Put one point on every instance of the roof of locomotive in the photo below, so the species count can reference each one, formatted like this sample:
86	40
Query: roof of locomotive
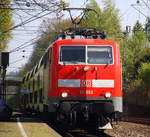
82	32
85	42
83	36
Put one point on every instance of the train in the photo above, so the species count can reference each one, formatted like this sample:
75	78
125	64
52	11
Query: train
78	79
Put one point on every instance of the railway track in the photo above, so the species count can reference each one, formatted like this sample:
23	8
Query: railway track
85	133
80	131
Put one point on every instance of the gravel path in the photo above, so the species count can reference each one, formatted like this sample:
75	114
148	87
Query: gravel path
128	129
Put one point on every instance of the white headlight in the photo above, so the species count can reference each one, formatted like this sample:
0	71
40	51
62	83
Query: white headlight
107	94
86	68
64	94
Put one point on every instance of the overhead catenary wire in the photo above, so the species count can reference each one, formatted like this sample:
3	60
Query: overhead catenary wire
45	6
15	67
22	45
139	11
28	33
31	44
21	24
16	61
84	4
30	20
27	4
20	17
27	14
26	11
9	7
15	13
36	27
123	14
25	30
15	3
146	4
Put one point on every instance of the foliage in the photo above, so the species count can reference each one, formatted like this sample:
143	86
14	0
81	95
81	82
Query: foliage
137	27
106	19
136	63
144	75
111	20
5	23
135	50
93	18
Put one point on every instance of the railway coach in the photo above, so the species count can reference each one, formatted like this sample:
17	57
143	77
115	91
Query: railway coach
79	78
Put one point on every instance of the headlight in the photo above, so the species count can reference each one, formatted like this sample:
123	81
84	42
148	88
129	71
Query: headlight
64	94
107	94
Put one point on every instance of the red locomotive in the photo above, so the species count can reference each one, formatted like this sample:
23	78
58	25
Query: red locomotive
79	78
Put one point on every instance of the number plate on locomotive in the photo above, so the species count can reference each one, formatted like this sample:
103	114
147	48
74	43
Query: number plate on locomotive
86	83
86	92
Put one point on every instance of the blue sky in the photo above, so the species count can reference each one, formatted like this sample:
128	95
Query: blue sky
128	16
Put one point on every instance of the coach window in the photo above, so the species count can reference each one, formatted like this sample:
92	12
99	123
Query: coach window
72	54
99	55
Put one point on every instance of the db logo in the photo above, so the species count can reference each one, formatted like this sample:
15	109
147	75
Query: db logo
86	83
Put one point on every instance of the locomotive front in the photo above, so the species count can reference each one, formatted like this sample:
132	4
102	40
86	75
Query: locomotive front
86	83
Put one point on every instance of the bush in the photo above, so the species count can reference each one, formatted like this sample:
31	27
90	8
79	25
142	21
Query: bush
144	75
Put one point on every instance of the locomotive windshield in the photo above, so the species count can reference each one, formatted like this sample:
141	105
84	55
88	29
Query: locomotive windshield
86	55
99	55
72	54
